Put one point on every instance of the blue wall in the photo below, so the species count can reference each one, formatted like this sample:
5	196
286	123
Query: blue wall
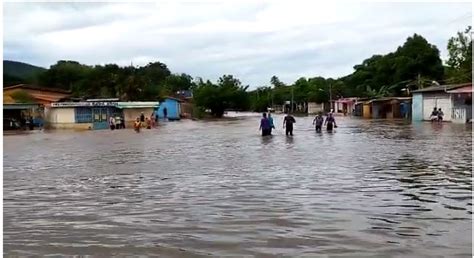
172	106
417	107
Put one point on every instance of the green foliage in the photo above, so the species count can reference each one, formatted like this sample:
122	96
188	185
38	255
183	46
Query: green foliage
150	82
261	99
415	64
21	70
177	82
415	58
228	93
460	57
10	80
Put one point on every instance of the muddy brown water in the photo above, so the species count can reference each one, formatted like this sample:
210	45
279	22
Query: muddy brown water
217	188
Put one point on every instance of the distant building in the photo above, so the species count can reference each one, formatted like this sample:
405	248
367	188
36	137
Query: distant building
95	114
172	106
184	94
345	105
314	108
454	100
384	108
38	95
23	100
132	110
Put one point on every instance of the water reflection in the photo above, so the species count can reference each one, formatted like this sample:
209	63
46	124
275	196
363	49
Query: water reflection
370	188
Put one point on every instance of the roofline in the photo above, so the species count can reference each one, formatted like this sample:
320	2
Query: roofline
443	87
177	99
34	87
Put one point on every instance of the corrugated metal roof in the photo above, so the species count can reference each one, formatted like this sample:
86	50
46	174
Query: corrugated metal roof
138	104
389	99
20	106
442	87
467	89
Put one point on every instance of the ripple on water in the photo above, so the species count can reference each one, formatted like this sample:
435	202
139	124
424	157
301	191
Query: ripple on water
372	188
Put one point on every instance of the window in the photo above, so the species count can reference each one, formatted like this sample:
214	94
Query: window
83	115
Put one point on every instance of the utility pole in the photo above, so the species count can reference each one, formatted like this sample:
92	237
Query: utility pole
419	81
330	97
292	99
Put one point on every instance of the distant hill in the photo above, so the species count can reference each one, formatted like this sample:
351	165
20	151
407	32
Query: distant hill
20	70
17	72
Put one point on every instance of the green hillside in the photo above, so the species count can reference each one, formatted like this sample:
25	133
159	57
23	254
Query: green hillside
17	72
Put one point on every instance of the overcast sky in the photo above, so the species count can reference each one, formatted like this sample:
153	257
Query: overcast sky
251	40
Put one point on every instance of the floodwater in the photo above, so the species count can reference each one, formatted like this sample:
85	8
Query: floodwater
217	188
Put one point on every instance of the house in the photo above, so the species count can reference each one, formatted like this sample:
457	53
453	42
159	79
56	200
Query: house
389	107
172	106
367	109
132	110
24	100
184	94
314	107
462	104
344	105
84	115
95	114
35	94
359	107
454	100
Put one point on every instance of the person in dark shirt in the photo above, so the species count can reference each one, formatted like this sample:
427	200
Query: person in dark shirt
318	120
330	122
265	125
288	122
165	112
440	115
31	125
434	115
142	117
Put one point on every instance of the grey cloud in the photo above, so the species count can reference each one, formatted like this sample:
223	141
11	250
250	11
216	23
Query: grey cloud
252	40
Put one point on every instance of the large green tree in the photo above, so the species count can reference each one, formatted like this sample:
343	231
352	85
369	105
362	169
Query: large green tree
415	59
460	57
228	93
65	74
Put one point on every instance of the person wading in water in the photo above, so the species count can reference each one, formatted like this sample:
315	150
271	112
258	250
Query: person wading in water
137	125
165	113
440	115
270	119
112	123
318	120
288	122
330	122
265	125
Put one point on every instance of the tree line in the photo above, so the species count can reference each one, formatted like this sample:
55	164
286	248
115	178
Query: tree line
413	65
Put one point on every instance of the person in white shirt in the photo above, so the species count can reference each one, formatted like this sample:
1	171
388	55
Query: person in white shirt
112	123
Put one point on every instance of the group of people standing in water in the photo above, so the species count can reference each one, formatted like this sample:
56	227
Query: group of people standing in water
267	125
437	115
148	122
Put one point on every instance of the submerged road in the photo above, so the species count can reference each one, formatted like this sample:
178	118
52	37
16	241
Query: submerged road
192	189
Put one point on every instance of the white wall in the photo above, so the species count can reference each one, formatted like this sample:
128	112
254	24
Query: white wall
314	108
60	115
438	100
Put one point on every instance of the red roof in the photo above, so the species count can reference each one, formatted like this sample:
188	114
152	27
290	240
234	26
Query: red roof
466	89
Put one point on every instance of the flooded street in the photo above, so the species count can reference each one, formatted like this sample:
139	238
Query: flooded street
192	189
